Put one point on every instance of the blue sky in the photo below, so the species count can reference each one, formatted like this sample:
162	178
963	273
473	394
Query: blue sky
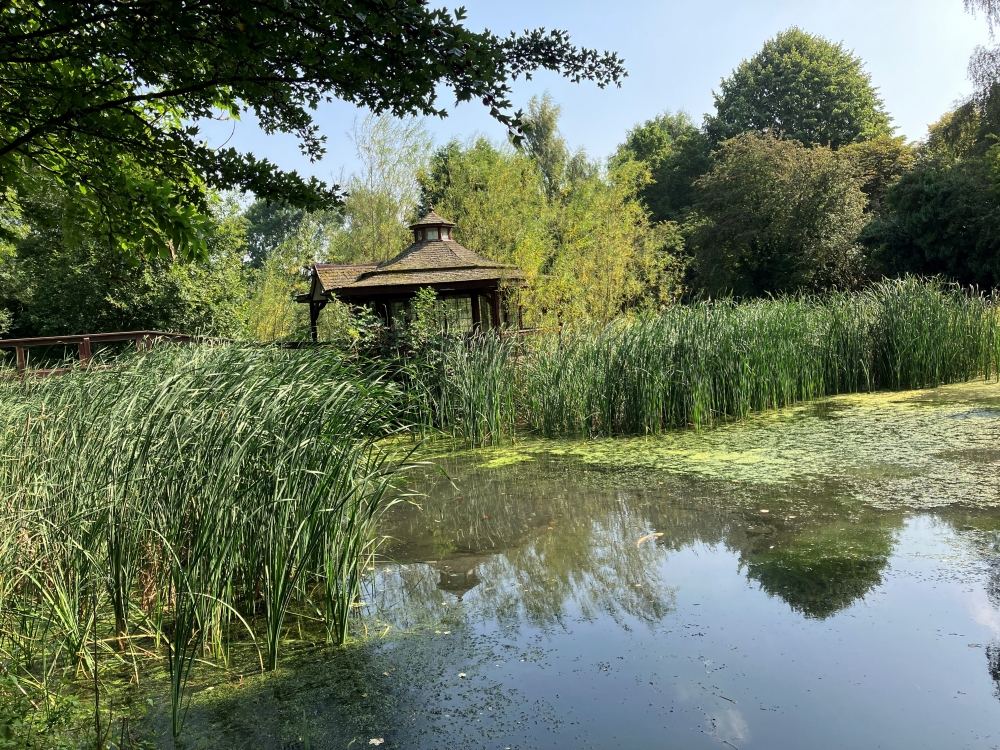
676	53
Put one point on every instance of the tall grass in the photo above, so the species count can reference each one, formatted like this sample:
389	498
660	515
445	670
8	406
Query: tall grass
188	500
465	386
711	361
183	501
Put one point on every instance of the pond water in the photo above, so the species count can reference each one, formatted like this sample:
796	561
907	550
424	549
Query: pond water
822	577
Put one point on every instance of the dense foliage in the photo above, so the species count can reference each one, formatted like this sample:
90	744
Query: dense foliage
775	216
940	216
59	279
149	528
677	153
99	96
578	229
835	202
800	86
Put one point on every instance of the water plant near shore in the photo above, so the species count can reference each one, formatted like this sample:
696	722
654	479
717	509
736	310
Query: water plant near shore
701	364
177	504
158	508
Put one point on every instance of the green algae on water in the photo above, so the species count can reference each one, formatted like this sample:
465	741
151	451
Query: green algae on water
911	449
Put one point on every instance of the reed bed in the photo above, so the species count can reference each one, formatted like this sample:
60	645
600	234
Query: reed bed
464	387
701	364
184	501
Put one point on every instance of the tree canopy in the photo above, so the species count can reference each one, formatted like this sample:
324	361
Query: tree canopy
804	87
99	96
775	216
677	153
941	219
52	286
576	228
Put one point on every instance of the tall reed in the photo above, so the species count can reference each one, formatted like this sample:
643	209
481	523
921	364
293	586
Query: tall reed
181	497
711	361
465	386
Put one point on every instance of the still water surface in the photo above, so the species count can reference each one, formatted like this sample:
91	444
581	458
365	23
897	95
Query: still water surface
823	577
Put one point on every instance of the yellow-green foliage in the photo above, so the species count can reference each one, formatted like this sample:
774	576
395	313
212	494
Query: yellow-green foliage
577	229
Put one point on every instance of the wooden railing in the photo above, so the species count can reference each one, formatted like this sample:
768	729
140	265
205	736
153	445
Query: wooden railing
143	340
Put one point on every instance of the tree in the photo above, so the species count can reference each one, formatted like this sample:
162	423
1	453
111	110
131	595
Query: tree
984	66
98	96
880	162
940	217
943	219
609	258
272	312
774	216
804	87
383	195
676	153
544	145
59	280
269	224
587	249
497	196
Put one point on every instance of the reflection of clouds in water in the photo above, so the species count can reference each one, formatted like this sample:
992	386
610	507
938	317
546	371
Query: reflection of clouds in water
984	614
533	543
723	721
728	725
529	547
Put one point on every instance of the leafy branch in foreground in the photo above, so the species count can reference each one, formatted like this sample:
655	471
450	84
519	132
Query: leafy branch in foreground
99	95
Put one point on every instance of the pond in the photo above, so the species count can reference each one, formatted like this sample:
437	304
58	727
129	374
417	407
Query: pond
826	576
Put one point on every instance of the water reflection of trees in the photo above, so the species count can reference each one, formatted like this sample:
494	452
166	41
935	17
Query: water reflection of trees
569	545
566	551
988	546
819	572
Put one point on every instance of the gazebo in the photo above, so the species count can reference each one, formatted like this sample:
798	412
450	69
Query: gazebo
472	288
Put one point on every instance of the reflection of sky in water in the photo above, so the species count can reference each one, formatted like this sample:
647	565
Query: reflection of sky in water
777	609
813	586
703	655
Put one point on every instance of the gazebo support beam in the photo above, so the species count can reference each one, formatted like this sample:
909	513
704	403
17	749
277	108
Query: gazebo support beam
495	308
315	305
477	322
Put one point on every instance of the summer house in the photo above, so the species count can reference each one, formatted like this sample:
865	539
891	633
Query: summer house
474	290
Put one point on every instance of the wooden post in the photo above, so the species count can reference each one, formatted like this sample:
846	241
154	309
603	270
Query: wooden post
21	362
313	320
495	308
84	350
315	305
477	323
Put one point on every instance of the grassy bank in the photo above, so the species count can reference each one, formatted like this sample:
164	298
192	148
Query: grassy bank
177	504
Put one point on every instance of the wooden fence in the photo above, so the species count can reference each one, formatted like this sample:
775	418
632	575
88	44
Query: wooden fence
145	339
142	339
